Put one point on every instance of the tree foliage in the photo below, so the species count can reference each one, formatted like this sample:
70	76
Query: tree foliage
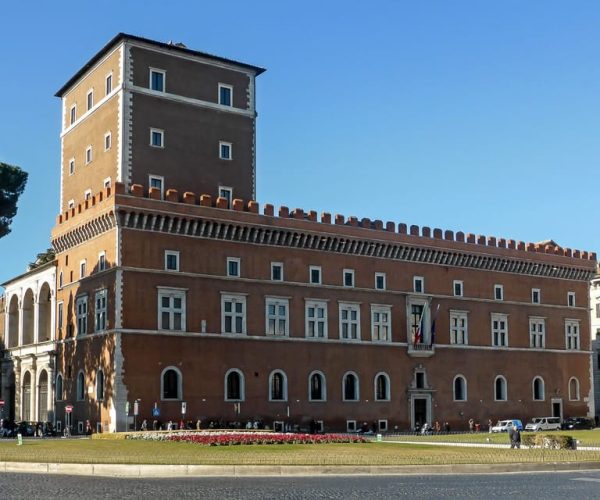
42	258
12	184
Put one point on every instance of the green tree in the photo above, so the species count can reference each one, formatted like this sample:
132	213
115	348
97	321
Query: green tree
12	184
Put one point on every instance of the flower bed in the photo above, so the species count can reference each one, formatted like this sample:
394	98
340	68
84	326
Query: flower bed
247	438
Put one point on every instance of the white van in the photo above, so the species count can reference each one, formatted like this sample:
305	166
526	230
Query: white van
504	425
544	424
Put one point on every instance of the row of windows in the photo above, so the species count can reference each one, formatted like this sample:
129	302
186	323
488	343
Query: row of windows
80	388
233	269
158	182
172	316
234	387
89	152
100	266
89	100
157	140
158	83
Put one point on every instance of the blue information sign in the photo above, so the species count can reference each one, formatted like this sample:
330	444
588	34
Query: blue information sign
156	411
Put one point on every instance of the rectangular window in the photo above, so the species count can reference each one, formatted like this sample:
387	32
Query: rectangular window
60	315
316	319
71	204
82	269
598	310
225	150
101	261
108	86
88	155
81	309
349	277
276	271
71	166
227	193
458	288
381	323
90	100
535	296
380	283
157	182
171	309
87	194
537	333
315	275
106	182
498	292
73	114
171	260
571	299
349	321
233	267
100	323
572	335
419	284
499	330
277	316
157	138
233	314
107	141
158	79
225	95
351	426
459	328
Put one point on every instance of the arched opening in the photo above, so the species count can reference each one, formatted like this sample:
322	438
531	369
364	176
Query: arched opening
100	385
317	390
278	386
44	313
382	387
28	320
26	397
171	383
460	388
80	386
538	389
574	389
43	397
59	387
350	387
13	322
500	393
234	385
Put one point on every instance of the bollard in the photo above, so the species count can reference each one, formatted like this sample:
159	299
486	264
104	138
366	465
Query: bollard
379	438
19	439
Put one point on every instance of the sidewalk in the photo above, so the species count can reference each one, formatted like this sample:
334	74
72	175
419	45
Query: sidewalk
473	445
154	471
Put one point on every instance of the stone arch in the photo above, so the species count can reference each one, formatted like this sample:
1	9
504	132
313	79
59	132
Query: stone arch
28	317
12	339
42	396
26	389
44	313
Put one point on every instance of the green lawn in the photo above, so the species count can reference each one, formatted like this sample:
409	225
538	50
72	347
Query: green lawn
144	452
586	438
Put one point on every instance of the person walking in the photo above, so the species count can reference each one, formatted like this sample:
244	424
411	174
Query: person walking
471	424
490	425
515	440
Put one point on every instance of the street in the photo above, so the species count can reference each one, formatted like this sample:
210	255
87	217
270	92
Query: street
561	485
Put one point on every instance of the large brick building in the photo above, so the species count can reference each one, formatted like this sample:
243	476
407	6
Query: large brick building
172	285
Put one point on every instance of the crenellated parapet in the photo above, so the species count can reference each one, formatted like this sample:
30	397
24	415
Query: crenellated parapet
420	233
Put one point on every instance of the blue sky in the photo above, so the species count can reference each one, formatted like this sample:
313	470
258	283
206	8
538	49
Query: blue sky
464	115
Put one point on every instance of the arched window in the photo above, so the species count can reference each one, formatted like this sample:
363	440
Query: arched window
59	387
100	385
350	388
573	389
26	397
171	383
382	387
80	387
500	392
317	388
538	389
460	388
277	386
234	385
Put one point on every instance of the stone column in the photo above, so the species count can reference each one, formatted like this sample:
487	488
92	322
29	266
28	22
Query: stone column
50	402
20	342
18	389
36	320
34	390
52	316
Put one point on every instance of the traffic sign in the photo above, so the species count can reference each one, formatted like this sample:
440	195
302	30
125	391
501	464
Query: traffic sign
136	408
156	411
69	408
183	407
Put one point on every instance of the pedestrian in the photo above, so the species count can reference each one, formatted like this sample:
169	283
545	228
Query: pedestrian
447	427
144	426
515	437
437	426
198	424
471	424
88	428
155	425
490	425
170	425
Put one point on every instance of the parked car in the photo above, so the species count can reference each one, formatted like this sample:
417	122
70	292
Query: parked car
573	423
503	425
543	424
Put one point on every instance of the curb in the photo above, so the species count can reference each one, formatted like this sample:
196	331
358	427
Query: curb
166	471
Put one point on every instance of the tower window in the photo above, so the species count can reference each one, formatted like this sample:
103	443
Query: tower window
225	150
157	80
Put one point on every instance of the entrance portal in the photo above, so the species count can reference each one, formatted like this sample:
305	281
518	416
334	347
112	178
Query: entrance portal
419	411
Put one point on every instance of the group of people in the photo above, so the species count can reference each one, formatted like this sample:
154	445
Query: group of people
437	428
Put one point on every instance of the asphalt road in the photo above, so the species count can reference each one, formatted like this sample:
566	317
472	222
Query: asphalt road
561	485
